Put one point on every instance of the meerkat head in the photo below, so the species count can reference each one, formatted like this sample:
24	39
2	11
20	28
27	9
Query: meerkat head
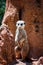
20	24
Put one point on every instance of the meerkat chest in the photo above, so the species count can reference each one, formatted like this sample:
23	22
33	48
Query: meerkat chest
21	35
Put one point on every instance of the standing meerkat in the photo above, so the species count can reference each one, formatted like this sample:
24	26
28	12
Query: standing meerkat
21	39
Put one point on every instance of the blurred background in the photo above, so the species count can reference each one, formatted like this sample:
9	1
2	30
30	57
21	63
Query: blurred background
2	9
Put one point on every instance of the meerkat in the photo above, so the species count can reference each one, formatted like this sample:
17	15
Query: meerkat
21	39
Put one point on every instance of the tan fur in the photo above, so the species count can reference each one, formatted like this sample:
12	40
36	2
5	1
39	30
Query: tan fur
24	49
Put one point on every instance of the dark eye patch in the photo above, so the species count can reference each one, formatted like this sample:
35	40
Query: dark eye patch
21	24
18	23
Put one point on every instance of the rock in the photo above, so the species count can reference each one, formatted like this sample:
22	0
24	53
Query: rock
39	62
7	41
2	61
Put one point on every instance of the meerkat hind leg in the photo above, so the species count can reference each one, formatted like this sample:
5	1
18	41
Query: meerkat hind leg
23	55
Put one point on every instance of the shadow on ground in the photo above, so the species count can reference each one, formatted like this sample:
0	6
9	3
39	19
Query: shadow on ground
20	63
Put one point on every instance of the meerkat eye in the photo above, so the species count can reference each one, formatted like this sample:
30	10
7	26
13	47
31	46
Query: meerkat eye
21	24
18	23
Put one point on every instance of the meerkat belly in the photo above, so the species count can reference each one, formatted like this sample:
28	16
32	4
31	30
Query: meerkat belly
21	36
